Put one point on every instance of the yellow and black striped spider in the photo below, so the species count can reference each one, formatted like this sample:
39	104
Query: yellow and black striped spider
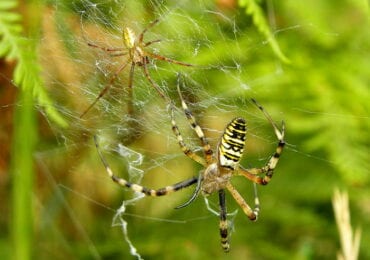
218	169
134	47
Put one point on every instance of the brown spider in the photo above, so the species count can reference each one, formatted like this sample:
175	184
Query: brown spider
134	47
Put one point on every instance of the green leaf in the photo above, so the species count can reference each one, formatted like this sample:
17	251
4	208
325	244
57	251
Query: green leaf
255	11
27	72
4	5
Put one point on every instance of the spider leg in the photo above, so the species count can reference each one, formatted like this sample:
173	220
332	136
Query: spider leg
141	35
252	214
185	149
195	193
130	105
268	169
163	58
150	43
155	86
206	147
118	54
138	188
279	134
104	48
256	200
251	174
106	88
223	221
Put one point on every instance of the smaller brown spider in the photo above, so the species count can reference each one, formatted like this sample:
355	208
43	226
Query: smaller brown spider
134	47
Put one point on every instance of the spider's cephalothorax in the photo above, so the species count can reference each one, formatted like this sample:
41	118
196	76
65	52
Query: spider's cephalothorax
135	49
219	169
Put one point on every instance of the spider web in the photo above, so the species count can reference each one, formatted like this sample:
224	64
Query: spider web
82	71
143	149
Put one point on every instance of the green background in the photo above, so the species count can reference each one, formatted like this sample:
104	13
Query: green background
306	63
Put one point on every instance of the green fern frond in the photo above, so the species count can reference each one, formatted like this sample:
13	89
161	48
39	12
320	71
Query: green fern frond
14	46
259	20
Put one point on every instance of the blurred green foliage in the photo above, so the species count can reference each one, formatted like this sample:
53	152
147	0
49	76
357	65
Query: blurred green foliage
16	46
322	94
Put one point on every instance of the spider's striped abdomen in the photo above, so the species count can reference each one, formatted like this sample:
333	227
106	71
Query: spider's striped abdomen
232	143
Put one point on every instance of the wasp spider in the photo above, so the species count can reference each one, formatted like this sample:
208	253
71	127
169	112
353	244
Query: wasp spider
218	169
134	48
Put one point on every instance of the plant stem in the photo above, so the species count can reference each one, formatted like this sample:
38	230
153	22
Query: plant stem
22	172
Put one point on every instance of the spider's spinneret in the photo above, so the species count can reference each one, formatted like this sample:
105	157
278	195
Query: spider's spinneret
232	143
